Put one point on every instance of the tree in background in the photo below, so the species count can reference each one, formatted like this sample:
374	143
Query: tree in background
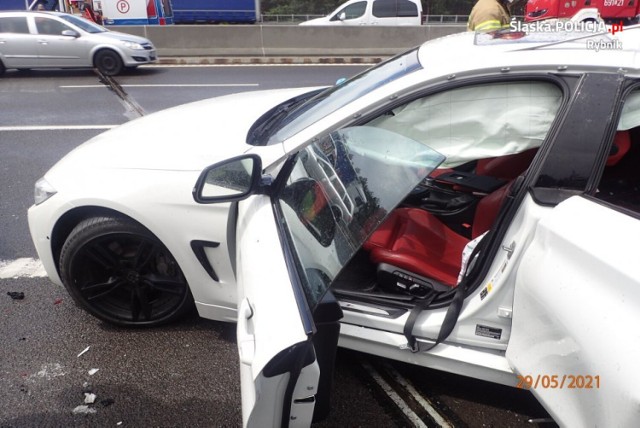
299	7
448	7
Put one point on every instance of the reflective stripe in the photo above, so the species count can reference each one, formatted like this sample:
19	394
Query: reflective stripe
492	24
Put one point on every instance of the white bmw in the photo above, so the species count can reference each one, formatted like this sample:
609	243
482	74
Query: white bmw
471	205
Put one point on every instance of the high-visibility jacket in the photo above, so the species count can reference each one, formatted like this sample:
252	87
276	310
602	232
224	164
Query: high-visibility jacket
488	15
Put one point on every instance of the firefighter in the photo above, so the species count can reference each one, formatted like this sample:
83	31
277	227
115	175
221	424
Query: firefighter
88	13
490	15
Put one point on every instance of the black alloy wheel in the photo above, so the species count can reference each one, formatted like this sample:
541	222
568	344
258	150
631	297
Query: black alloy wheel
121	273
108	62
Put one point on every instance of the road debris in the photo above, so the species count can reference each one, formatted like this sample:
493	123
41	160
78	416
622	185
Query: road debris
48	371
107	402
89	398
16	295
93	371
85	350
83	410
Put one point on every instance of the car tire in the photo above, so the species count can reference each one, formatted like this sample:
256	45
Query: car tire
108	62
2	68
121	273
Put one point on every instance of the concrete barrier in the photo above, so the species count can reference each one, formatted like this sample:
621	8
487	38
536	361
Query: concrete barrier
286	40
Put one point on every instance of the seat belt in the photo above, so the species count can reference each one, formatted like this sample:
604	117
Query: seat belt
420	306
451	317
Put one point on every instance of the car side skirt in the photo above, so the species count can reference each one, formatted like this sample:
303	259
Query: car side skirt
484	364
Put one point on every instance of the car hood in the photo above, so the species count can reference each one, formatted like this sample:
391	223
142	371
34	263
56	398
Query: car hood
184	138
115	35
318	21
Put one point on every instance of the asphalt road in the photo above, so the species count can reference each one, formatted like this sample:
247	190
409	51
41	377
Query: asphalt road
184	374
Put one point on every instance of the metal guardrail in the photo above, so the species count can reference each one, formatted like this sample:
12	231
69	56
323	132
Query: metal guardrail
294	19
446	19
287	19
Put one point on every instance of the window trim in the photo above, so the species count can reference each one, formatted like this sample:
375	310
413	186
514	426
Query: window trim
629	86
551	196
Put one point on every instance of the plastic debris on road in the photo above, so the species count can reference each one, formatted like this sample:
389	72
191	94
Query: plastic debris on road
85	350
89	398
83	409
93	371
16	295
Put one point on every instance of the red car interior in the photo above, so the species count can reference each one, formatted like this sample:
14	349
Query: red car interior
416	240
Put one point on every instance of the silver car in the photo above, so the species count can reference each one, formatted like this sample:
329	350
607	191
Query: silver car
59	40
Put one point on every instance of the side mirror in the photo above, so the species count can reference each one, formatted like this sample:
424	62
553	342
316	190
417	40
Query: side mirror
230	180
342	16
71	33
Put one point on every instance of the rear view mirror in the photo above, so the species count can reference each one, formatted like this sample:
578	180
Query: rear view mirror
230	180
342	16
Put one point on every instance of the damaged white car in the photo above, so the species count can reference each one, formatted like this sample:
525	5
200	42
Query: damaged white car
470	206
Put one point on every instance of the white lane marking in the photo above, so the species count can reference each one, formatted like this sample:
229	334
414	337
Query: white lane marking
402	405
424	402
55	127
170	85
22	268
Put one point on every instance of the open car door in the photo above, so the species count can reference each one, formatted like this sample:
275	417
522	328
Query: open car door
291	244
575	341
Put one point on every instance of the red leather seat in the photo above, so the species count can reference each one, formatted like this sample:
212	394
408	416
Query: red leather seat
416	240
620	147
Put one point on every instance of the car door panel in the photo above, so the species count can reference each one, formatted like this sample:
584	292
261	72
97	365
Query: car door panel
18	50
56	50
62	51
578	278
327	199
273	338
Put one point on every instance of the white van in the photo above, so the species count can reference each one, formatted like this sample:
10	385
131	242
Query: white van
373	12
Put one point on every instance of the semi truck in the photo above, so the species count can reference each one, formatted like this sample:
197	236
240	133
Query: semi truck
149	12
216	11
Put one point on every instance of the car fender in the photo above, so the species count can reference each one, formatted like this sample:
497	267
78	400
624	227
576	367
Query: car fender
100	47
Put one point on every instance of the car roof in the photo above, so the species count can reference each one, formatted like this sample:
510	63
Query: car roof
31	12
469	51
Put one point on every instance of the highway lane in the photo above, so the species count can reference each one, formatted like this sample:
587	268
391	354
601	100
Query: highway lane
151	381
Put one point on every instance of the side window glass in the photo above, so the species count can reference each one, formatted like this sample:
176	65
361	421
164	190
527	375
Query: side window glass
335	196
353	11
407	8
620	181
384	9
480	123
15	25
50	26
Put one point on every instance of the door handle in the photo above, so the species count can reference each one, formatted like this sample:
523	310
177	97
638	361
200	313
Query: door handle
43	42
246	339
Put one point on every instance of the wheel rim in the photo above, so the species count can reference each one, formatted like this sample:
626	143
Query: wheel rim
128	278
109	63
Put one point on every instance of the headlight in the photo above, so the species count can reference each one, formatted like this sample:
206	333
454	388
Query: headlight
43	191
133	45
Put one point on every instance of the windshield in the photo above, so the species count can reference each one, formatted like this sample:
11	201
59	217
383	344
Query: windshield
340	190
84	24
338	96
